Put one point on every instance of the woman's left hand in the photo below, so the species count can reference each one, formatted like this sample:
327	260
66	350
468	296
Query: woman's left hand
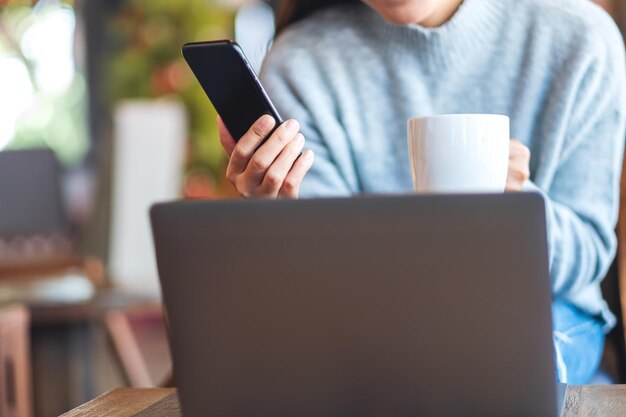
519	166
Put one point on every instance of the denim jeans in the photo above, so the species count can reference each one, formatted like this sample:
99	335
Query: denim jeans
578	343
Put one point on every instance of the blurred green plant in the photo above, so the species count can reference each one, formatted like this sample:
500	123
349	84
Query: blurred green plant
52	116
147	63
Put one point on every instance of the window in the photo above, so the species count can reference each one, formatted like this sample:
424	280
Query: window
43	95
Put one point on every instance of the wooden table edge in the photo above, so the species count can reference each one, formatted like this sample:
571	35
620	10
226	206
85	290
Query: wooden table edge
126	402
581	400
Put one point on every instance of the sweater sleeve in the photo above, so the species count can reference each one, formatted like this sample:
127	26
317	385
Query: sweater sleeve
582	200
300	94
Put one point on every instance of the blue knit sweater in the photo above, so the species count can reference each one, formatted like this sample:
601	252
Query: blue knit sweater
556	67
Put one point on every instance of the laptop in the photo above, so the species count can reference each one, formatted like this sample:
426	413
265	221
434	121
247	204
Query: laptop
375	306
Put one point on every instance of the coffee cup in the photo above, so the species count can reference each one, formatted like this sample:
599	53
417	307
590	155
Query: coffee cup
459	153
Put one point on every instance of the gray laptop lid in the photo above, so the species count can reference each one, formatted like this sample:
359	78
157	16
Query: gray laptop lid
397	306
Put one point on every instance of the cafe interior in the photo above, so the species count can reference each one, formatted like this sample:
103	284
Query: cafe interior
100	118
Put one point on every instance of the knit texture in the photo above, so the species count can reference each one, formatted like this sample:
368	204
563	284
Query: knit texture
556	67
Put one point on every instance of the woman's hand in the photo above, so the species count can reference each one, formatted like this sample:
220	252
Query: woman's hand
276	168
519	166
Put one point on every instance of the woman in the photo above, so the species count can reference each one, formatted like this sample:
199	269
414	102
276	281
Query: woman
351	73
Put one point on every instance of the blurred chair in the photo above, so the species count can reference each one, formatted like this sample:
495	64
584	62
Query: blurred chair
613	366
36	239
140	341
15	378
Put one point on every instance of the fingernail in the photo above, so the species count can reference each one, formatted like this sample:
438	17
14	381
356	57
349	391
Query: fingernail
266	122
292	125
308	154
300	140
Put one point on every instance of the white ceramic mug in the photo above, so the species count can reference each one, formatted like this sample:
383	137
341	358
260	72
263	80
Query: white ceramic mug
459	153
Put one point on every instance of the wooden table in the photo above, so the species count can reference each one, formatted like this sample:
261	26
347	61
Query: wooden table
600	400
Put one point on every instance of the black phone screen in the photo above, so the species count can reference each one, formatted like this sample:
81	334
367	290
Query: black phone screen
230	83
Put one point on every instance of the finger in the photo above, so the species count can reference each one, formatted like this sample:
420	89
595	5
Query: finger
516	178
519	163
270	150
513	185
291	185
226	138
276	174
243	151
518	150
519	174
510	187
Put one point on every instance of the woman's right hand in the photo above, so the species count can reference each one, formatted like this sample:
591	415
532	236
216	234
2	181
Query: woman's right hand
275	169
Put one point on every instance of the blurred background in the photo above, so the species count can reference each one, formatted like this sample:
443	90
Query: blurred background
99	118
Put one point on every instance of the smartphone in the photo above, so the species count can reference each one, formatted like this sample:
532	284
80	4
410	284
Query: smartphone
231	84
